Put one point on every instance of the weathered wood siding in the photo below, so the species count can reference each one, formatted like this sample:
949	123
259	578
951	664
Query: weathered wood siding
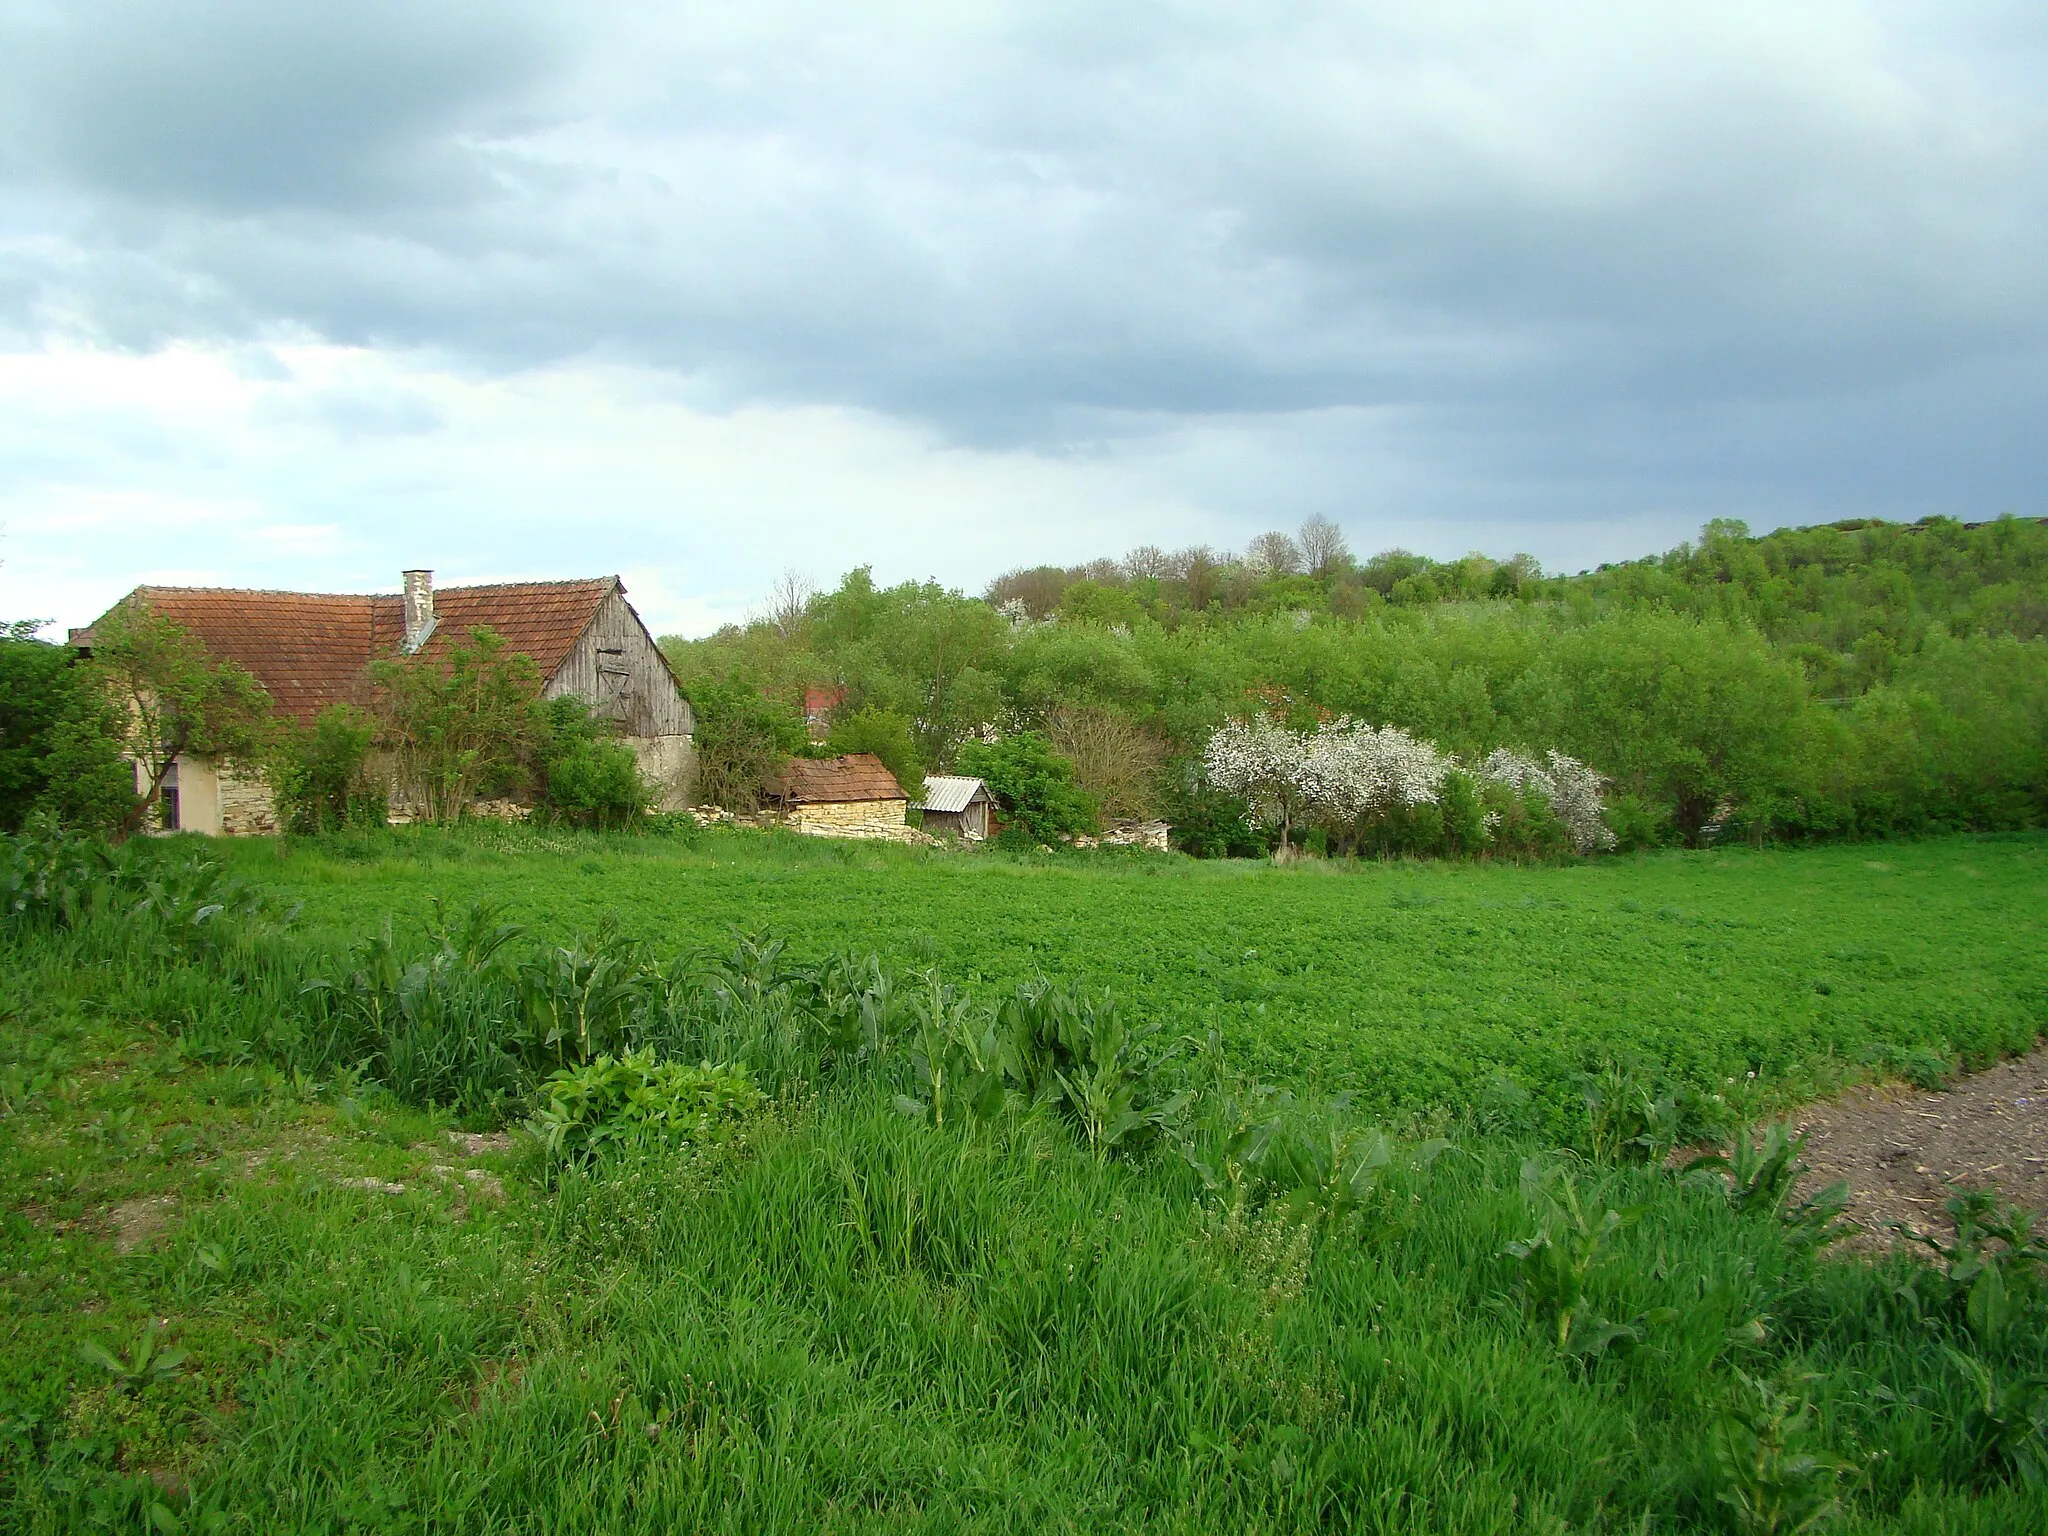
616	668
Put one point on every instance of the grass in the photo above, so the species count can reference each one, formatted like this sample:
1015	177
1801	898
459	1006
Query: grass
832	1316
1409	984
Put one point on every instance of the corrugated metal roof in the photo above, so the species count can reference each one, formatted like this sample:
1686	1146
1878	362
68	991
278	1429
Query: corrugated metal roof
944	792
834	780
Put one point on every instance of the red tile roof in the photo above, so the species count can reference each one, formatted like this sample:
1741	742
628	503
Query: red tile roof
311	650
835	780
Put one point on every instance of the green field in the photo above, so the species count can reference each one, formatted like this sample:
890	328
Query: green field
817	1312
1409	984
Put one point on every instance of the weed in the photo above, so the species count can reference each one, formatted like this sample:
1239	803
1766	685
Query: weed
1775	1480
142	1365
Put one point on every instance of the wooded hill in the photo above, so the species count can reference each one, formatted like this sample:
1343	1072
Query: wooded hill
1861	678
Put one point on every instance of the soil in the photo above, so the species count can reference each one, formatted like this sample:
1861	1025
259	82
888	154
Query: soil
1905	1153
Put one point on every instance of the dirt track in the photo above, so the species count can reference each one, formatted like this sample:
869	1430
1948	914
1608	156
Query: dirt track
1905	1153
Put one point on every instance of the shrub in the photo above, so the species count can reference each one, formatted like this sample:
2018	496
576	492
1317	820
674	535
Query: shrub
587	776
741	739
320	778
1033	785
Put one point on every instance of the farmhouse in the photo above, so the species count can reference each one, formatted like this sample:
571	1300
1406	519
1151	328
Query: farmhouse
312	650
962	807
850	796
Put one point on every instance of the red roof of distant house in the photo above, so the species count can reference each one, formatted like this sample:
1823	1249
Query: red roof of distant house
311	650
835	780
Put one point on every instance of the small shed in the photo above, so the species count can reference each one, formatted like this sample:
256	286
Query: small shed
851	795
963	807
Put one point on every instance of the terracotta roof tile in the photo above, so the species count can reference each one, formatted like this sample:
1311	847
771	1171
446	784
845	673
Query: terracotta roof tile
835	780
311	650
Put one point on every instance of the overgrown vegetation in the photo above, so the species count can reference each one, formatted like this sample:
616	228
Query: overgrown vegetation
1859	680
809	1240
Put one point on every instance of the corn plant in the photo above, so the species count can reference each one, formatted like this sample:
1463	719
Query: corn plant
854	1006
1761	1178
1073	1050
1338	1169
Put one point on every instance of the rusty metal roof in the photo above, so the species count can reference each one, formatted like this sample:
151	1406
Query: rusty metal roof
311	650
834	780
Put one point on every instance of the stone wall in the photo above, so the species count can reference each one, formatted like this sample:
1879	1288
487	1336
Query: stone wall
669	765
847	817
246	808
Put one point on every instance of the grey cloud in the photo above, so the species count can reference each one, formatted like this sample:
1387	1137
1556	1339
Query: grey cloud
1589	246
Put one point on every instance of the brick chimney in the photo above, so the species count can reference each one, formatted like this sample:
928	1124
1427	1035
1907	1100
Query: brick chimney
419	609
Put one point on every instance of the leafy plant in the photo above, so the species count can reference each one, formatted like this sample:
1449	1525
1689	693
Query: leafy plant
143	1364
1775	1481
1991	1273
639	1099
2007	1421
1761	1179
1570	1245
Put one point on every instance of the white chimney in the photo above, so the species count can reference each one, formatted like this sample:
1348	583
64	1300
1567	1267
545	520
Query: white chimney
419	609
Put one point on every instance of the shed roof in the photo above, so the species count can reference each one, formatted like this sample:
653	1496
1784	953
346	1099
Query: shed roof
947	793
311	650
835	780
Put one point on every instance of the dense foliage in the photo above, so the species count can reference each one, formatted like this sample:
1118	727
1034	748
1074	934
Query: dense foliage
802	1236
1862	679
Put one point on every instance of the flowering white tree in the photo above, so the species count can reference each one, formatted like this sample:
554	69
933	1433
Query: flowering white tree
1354	770
1264	762
1567	786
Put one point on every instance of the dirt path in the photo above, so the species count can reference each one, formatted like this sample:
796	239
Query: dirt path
1905	1153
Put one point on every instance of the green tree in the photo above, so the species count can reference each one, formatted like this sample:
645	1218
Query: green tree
1033	786
166	698
320	775
741	739
36	691
461	727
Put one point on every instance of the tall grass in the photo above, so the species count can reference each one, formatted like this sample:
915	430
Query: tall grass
1122	1288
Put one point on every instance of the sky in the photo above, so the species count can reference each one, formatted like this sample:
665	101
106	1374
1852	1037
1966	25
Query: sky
301	296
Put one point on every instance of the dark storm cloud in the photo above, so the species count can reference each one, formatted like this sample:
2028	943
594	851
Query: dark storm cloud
1713	254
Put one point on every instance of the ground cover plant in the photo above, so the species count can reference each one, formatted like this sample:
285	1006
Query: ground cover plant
881	1244
1410	984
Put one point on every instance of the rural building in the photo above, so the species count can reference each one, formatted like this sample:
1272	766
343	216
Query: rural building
961	807
820	699
312	650
850	796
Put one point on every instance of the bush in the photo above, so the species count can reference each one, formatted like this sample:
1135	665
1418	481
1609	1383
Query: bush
587	776
1033	785
320	778
741	739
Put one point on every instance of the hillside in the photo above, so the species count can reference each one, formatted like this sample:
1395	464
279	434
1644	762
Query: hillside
1859	679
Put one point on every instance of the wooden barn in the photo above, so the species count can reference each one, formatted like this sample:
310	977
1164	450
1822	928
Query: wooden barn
959	807
850	796
311	650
